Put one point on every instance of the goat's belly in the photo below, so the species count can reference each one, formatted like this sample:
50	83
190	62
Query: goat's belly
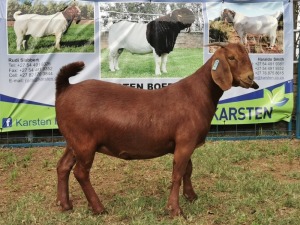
137	152
139	47
131	36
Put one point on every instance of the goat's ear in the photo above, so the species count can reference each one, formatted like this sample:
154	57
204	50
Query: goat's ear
221	73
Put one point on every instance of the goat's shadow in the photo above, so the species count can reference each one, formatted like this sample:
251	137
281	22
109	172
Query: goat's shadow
66	46
77	43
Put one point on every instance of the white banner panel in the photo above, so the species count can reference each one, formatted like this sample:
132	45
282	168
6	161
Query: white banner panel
39	37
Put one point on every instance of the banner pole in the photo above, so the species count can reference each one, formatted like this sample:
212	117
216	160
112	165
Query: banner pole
298	101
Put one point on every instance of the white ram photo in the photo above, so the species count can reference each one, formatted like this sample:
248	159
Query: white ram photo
259	25
38	26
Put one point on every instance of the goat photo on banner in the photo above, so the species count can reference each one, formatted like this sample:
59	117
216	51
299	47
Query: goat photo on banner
150	39
41	27
145	45
265	30
259	31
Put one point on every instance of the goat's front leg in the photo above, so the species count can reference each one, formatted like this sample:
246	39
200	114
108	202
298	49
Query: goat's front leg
57	40
164	59
82	174
157	60
64	166
245	38
188	190
180	162
272	41
111	59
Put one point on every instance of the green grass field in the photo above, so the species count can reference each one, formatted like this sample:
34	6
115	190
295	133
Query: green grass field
238	182
79	38
181	63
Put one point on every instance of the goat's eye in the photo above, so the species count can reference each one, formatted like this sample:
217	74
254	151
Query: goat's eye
231	58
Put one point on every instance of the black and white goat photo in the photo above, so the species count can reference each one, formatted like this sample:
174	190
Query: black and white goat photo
144	37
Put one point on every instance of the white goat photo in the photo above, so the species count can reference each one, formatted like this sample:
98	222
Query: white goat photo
261	25
44	28
44	25
259	30
156	34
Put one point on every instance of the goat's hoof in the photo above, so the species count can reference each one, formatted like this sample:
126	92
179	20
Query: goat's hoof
100	212
191	197
65	206
173	213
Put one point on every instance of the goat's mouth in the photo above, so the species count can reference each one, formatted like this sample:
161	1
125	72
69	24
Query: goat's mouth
250	83
78	19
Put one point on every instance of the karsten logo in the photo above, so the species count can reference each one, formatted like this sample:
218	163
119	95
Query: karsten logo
6	122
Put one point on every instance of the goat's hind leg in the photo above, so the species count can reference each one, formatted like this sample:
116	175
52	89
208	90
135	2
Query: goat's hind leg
64	167
20	41
82	174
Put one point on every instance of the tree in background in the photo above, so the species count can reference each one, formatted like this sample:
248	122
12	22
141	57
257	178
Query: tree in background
145	12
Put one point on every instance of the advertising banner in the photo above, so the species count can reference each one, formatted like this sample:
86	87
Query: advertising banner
115	41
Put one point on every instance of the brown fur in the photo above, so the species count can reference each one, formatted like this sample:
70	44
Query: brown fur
72	12
228	15
127	123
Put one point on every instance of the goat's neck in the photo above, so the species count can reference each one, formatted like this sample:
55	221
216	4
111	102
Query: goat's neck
238	17
202	89
69	18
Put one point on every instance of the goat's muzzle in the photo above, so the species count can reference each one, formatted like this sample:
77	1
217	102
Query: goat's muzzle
254	85
248	81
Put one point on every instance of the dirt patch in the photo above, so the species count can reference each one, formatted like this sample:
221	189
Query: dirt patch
131	189
280	167
35	170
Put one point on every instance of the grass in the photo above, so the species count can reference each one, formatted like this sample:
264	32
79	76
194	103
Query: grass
79	38
238	182
143	66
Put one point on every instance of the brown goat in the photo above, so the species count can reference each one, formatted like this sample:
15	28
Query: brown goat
127	123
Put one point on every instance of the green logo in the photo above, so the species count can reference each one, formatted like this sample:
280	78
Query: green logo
276	96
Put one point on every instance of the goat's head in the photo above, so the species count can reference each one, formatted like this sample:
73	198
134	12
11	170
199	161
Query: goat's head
231	66
228	15
72	12
183	16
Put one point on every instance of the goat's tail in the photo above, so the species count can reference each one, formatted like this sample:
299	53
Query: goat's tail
62	79
16	14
